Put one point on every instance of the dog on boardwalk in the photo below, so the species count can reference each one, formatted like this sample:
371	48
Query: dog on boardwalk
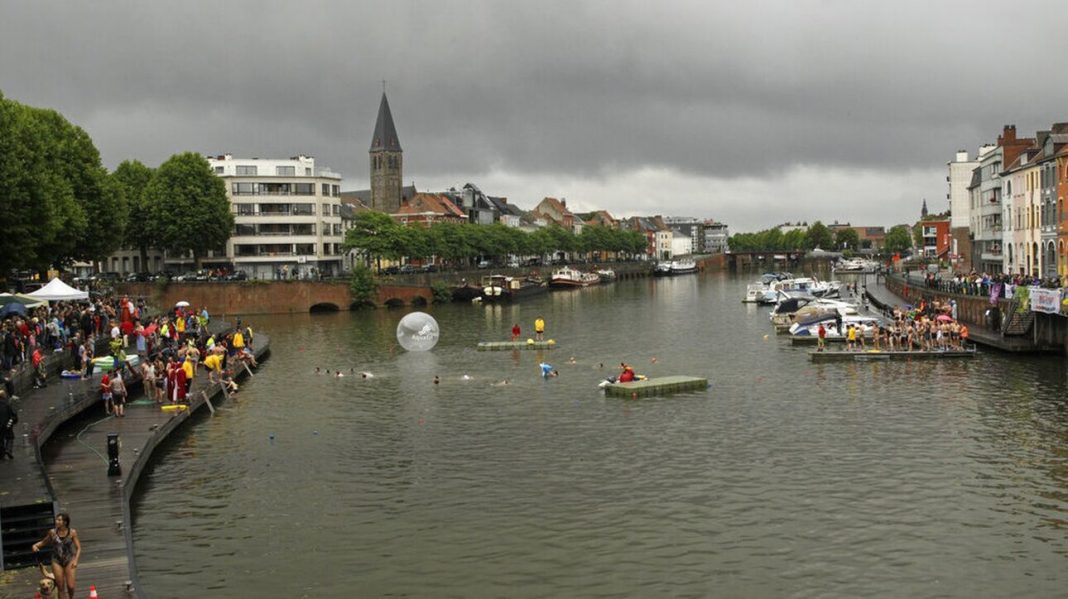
47	586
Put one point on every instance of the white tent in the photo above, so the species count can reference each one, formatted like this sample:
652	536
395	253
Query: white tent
58	290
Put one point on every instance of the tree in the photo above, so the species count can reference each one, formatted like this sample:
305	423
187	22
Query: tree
133	178
898	239
376	234
819	236
186	207
51	183
363	285
846	238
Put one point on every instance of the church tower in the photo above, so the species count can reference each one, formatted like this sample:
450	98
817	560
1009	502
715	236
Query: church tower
387	161
923	211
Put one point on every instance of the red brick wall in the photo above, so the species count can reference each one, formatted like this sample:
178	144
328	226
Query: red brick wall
267	297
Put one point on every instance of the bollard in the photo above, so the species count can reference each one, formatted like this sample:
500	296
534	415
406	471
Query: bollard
113	455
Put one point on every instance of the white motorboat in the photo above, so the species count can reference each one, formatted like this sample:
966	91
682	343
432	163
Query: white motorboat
681	266
569	277
759	293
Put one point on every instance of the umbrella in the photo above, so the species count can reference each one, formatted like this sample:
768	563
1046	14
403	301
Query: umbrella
181	304
944	318
12	308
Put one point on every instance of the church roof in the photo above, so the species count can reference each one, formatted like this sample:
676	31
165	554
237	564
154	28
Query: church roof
385	137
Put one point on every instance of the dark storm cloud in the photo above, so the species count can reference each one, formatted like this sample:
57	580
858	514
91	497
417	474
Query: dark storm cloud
578	89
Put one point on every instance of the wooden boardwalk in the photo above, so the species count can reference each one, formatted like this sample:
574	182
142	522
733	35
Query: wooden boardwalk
77	469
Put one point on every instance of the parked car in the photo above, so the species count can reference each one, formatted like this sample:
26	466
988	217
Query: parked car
430	268
483	264
390	270
408	269
237	275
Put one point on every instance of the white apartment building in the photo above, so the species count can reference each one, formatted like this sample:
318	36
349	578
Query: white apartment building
287	216
985	213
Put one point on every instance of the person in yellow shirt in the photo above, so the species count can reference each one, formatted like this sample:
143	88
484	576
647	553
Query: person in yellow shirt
539	328
214	365
190	371
239	340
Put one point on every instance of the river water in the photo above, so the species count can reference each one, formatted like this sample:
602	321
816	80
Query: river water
784	479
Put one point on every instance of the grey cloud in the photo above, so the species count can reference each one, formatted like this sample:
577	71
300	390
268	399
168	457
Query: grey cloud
579	89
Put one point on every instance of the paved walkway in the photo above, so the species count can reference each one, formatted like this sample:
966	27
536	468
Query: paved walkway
77	470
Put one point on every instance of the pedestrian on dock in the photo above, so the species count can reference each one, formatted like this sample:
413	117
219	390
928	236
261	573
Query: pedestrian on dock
8	419
821	338
539	329
516	332
66	551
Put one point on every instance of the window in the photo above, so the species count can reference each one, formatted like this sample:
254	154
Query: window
219	170
336	210
246	209
326	189
337	191
307	172
337	229
326	209
285	171
244	229
246	170
303	209
304	189
243	189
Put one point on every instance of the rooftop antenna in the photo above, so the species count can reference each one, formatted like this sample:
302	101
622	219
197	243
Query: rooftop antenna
383	86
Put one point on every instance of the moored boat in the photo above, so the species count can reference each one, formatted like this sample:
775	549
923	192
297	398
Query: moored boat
569	277
497	288
681	266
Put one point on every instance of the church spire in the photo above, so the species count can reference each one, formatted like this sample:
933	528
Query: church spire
923	211
385	137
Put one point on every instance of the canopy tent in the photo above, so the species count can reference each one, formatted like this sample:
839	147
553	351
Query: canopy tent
58	290
18	298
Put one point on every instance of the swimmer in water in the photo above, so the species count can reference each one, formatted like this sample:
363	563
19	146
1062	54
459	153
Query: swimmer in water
501	383
437	381
547	370
572	360
466	377
317	370
366	375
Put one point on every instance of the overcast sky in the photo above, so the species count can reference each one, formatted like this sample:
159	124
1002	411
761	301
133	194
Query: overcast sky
751	113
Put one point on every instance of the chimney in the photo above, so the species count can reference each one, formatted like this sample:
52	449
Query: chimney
563	202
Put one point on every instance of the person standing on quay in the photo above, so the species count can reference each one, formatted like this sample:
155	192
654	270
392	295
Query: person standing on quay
516	332
66	550
539	329
8	419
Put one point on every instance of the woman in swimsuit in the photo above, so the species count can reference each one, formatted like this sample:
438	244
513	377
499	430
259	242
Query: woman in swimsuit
66	550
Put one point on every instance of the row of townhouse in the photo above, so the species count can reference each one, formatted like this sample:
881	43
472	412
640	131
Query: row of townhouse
1007	204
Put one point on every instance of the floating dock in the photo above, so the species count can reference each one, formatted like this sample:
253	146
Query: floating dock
873	355
510	345
813	340
657	386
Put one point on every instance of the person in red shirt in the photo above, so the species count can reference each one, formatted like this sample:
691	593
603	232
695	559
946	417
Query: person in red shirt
39	374
821	335
627	375
515	332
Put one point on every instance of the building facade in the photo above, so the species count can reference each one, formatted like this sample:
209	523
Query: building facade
287	216
959	178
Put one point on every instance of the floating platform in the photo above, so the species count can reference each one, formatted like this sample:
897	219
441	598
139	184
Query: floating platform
509	345
874	355
656	386
814	340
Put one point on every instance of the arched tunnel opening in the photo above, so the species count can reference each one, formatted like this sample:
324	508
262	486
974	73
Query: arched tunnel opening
323	308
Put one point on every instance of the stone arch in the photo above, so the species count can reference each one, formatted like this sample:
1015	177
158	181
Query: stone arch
394	302
323	307
419	301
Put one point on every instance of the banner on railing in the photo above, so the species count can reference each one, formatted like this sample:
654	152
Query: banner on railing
1046	300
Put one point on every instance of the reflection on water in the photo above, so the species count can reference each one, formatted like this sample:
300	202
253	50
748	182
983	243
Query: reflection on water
785	478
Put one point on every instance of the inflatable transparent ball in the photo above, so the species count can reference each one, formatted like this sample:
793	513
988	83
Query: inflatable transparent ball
418	331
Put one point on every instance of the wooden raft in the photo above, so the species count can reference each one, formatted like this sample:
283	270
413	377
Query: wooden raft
873	355
509	345
656	386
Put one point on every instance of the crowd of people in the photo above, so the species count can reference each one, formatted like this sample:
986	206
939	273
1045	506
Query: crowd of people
171	347
983	284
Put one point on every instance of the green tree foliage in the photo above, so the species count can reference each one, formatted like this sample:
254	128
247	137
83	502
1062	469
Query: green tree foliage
768	240
846	238
186	207
819	236
363	285
374	234
132	177
898	239
56	201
